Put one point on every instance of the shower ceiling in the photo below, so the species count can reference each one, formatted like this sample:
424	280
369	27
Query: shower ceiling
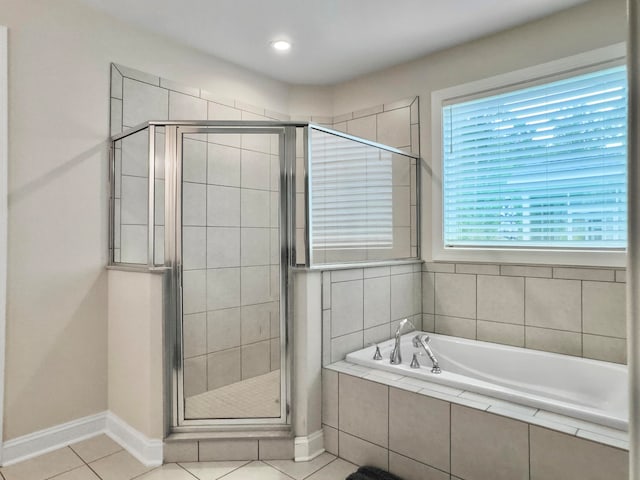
333	40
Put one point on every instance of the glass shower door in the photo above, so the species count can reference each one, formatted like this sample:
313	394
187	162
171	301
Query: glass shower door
232	326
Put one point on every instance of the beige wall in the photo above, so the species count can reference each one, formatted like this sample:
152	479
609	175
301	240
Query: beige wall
586	27
136	350
59	56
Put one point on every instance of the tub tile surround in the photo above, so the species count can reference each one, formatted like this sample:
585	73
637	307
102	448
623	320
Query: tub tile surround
569	310
364	305
436	431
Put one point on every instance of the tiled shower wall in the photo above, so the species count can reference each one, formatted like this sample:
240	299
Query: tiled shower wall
364	305
231	310
575	311
230	220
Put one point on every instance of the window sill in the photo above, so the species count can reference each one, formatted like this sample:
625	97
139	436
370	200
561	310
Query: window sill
584	258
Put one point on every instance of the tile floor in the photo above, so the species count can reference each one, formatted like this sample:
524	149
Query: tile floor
100	458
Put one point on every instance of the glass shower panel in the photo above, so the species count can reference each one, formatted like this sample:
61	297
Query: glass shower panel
131	220
231	323
362	201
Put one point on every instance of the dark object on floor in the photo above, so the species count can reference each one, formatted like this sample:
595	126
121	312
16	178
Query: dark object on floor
372	473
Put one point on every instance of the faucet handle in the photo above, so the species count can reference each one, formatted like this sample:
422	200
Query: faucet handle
377	355
414	361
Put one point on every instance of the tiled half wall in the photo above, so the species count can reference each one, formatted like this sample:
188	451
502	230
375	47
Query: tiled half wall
419	437
575	311
364	305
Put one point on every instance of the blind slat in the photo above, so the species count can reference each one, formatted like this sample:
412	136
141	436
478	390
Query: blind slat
541	166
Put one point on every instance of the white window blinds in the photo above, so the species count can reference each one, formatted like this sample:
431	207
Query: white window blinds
543	166
351	194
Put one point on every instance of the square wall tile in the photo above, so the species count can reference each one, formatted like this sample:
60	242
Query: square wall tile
255	285
504	333
194	291
604	308
428	292
194	204
194	161
408	469
361	452
255	170
223	206
330	398
143	102
456	326
135	154
485	446
195	376
255	246
569	343
419	427
223	165
256	323
405	297
608	349
134	244
377	301
330	439
276	449
223	368
364	127
180	452
134	200
553	303
194	248
557	455
378	334
194	328
394	127
186	107
223	247
217	450
256	359
501	299
340	346
254	208
347	307
455	295
363	409
223	288
223	329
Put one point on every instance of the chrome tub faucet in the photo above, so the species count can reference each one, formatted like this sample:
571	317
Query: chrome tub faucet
396	355
422	340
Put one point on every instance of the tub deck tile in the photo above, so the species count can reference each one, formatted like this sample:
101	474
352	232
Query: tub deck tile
584	425
596	437
503	404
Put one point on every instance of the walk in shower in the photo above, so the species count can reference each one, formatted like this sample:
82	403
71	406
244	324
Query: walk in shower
230	210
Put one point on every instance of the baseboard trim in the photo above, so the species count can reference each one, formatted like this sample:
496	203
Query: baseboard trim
147	451
309	447
49	439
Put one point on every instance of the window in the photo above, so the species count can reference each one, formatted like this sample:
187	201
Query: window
537	167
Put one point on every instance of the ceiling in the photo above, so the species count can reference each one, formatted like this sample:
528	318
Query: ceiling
333	40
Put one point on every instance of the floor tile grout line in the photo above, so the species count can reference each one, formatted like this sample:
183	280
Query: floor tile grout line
186	470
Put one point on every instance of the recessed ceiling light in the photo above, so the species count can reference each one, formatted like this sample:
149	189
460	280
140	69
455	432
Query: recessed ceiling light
281	45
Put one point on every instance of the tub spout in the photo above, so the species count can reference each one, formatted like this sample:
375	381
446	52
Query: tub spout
396	355
423	341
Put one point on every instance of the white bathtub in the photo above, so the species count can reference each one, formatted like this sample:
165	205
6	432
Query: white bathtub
586	389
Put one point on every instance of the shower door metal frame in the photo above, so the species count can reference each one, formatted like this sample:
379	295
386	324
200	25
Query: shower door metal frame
173	257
